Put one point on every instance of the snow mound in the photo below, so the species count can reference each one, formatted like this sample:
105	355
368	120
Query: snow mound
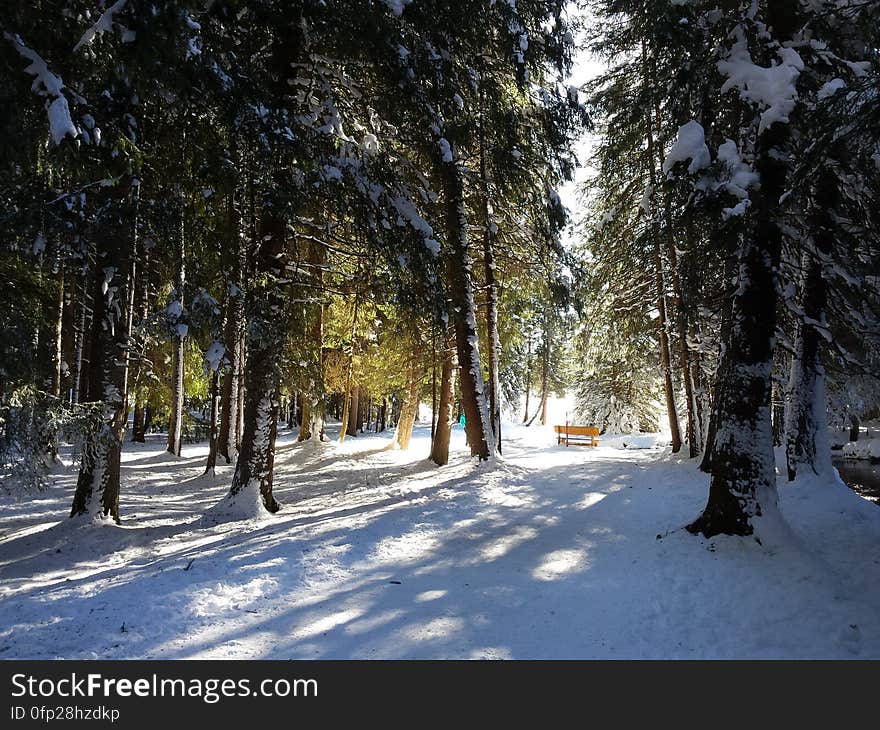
862	449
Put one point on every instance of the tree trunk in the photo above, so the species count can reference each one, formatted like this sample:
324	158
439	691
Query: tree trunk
175	425
458	265
443	432
305	424
97	488
57	353
240	388
233	333
251	490
493	344
354	397
806	425
137	426
213	433
82	341
743	479
410	408
662	331
528	379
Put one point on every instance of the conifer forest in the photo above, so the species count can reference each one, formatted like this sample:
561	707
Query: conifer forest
440	329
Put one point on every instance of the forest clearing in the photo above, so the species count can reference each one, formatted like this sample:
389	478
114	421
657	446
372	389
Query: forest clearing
376	553
499	329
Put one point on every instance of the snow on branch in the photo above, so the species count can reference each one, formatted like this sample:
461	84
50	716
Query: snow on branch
773	87
689	145
103	24
49	85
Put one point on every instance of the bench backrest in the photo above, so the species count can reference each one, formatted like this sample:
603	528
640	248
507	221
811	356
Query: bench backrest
577	430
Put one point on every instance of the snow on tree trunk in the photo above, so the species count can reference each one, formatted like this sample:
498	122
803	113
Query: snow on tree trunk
742	465
443	432
57	354
97	488
251	492
458	264
175	426
494	346
233	334
806	427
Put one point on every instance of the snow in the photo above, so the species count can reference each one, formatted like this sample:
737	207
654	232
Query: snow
396	6
773	88
102	25
60	123
830	88
689	145
550	552
47	84
864	448
214	355
445	149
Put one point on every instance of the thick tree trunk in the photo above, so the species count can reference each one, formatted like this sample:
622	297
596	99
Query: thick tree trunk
443	432
458	265
251	491
743	478
97	488
305	425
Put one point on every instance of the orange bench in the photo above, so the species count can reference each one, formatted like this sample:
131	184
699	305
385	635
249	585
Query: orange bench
576	435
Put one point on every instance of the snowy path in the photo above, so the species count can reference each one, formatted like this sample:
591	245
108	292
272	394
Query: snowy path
553	553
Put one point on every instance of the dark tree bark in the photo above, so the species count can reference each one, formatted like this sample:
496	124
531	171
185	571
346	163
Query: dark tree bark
806	427
137	425
213	431
854	428
743	475
253	478
743	479
354	396
458	266
443	432
97	488
494	345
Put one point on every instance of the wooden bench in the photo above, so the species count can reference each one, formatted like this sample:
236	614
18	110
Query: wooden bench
576	435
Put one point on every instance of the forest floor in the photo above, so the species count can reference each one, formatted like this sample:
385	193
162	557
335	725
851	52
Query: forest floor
552	553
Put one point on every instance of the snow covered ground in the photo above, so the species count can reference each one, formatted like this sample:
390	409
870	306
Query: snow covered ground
554	553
